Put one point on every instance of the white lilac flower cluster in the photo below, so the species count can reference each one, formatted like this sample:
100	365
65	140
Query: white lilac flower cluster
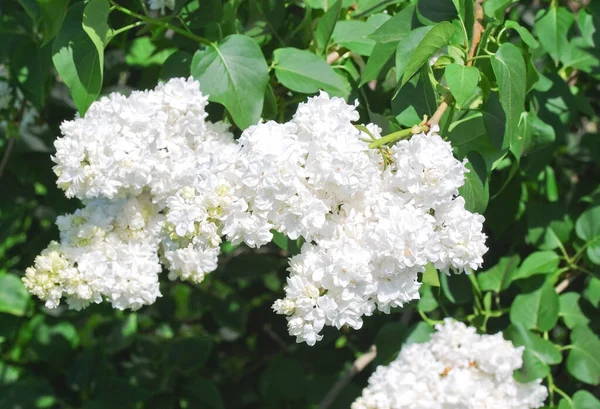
124	160
370	222
456	369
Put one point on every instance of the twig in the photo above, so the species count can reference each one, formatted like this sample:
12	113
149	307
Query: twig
7	152
562	286
358	365
477	32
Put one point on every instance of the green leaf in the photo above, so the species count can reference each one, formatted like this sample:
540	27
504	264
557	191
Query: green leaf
456	288
419	334
234	73
475	191
280	239
537	307
509	67
431	276
76	59
143	53
434	39
95	23
354	34
415	99
52	13
176	66
463	82
435	11
395	29
388	341
188	354
499	277
427	301
283	378
549	225
407	47
303	71
496	8
585	400
592	292
381	56
540	262
326	25
13	295
327	4
583	362
533	135
200	393
32	70
587	228
570	311
538	355
552	28
524	33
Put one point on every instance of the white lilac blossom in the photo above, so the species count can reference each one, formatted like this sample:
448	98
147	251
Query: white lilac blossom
125	159
371	223
370	228
161	5
156	140
456	369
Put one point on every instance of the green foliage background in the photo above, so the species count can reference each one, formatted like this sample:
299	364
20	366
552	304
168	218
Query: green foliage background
523	109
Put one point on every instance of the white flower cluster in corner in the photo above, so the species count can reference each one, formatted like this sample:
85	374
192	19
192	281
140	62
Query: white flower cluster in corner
160	183
124	160
457	368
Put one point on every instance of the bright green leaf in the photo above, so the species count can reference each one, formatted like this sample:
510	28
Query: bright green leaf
354	34
13	295
381	56
396	28
525	35
552	27
583	361
587	229
463	82
234	73
538	355
509	67
537	307
303	71
434	39
76	59
540	262
326	25
475	191
499	277
407	47
570	311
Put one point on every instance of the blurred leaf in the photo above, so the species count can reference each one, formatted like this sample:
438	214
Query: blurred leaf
427	301
499	277
202	393
463	82
234	73
592	292
52	13
537	307
496	8
117	393
435	11
29	393
419	333
143	53
303	71
123	333
431	276
190	353
538	355
585	400
283	378
434	39
14	298
583	361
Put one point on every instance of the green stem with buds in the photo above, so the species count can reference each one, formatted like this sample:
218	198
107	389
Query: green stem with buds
397	136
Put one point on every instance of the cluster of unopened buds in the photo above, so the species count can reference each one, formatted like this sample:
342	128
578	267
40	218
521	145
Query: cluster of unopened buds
457	368
163	187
